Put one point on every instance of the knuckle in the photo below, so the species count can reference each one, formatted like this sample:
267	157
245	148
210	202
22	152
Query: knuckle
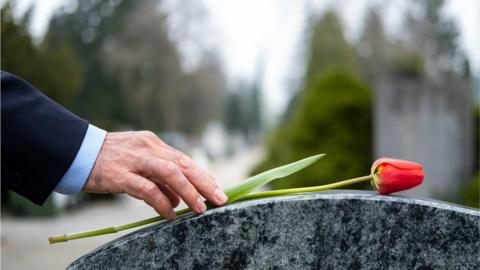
184	161
152	137
130	154
146	138
149	189
177	154
148	166
169	169
123	184
161	141
148	134
137	161
163	206
163	203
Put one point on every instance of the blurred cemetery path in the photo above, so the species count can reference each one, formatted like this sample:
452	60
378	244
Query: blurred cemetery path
24	240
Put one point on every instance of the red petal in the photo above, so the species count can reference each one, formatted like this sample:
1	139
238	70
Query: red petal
398	163
392	179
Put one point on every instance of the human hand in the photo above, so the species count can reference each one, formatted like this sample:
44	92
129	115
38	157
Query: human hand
143	166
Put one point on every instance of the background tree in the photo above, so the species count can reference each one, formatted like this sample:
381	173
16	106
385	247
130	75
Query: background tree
134	74
242	113
431	36
331	114
373	47
89	27
56	72
328	47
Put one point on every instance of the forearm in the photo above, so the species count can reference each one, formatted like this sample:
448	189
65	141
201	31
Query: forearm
46	147
40	139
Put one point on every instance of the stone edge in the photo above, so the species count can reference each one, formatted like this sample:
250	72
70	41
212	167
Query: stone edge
326	195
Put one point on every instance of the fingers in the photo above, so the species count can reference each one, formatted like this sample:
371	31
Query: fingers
140	164
201	180
174	199
169	173
149	192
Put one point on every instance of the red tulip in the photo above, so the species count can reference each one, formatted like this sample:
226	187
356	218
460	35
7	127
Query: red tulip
393	175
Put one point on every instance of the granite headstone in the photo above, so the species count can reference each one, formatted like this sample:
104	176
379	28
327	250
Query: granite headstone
325	230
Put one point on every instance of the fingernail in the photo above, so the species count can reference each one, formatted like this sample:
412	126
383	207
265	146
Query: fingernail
201	205
220	196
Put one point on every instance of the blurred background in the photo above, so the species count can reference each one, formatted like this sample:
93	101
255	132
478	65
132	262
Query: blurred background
244	86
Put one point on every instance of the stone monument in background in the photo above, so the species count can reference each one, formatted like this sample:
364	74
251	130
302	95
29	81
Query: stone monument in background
430	123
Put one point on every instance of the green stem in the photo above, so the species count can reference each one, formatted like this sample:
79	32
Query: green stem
148	221
305	189
108	230
71	236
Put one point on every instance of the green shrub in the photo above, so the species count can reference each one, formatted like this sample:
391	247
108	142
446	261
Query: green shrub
332	116
470	192
409	65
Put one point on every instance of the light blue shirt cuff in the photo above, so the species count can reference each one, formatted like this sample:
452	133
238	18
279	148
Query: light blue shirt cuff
76	176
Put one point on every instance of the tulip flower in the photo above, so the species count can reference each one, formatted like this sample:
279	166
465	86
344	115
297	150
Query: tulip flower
388	175
393	175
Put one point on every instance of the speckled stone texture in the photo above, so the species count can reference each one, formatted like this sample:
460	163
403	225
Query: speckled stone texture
326	230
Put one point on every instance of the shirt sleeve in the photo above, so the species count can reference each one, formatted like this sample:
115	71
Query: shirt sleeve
77	174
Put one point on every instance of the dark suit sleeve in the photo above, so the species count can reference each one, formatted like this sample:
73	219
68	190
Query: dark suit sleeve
40	139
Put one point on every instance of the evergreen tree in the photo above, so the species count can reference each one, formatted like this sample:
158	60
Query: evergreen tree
56	72
331	114
133	72
328	47
90	29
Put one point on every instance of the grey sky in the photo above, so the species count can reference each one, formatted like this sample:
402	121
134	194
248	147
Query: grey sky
250	32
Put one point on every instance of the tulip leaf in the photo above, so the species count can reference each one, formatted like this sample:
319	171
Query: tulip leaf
243	188
234	193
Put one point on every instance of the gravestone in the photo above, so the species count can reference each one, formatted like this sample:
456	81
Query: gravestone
325	230
428	122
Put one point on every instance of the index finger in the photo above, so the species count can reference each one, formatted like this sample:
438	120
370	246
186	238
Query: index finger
167	172
202	181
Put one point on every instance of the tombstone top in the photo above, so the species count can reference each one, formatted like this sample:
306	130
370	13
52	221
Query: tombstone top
336	229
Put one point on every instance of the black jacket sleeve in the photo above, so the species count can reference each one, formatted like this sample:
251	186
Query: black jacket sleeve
40	139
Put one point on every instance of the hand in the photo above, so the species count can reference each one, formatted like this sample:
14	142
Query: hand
143	166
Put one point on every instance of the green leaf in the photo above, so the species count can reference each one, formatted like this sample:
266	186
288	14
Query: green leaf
234	193
243	188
